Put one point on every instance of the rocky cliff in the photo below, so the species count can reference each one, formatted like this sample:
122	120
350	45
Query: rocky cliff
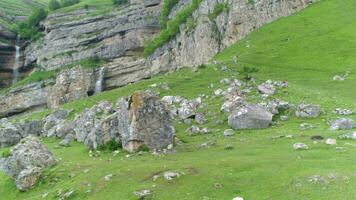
211	34
119	36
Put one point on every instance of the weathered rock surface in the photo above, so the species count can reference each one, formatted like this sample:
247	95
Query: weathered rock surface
27	161
12	133
197	46
250	117
308	111
145	120
78	35
25	98
343	124
71	84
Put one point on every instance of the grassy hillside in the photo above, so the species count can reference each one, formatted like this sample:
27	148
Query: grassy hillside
307	50
10	9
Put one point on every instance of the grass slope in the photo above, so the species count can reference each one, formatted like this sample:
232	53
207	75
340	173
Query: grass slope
17	8
306	49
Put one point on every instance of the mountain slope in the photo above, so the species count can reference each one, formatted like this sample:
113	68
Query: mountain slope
307	50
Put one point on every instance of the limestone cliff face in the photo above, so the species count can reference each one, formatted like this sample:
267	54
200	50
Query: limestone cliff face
196	46
74	36
119	37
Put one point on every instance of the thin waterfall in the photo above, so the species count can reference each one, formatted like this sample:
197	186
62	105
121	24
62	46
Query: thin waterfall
99	81
16	67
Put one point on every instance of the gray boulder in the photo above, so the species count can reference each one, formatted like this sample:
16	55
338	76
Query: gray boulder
145	120
267	88
27	161
250	117
308	111
9	134
342	124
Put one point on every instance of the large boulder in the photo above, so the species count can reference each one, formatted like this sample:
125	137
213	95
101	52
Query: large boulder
55	124
145	120
250	117
27	161
97	126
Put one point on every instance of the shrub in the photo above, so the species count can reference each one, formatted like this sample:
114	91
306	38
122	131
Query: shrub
54	5
112	145
36	17
166	10
172	28
66	3
29	29
143	148
218	9
6	153
119	2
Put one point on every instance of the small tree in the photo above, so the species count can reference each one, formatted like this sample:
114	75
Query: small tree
119	2
36	17
54	5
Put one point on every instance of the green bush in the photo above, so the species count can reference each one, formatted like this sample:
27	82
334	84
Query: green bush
172	28
119	2
166	9
6	153
112	145
29	29
218	9
54	5
66	3
143	148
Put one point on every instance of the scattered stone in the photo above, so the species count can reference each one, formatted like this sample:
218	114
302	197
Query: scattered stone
284	118
250	117
316	137
330	141
289	136
67	140
342	111
317	179
300	146
229	132
348	136
143	194
207	144
67	195
267	88
308	111
199	118
238	198
305	126
342	124
169	176
27	161
108	177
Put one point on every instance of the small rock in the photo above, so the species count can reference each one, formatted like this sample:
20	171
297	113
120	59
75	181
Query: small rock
108	177
238	198
306	126
143	194
342	111
342	124
171	175
330	141
348	136
300	146
229	132
308	111
284	118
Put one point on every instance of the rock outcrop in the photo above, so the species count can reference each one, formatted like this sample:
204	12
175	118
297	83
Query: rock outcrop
24	98
145	120
192	47
27	161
